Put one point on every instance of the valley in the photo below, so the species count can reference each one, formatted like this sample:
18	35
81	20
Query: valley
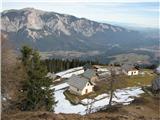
50	31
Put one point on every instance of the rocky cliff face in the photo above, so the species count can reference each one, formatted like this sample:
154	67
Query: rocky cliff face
53	31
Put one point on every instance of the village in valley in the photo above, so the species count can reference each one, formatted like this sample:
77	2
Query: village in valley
89	88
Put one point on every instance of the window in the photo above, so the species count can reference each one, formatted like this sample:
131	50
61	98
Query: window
77	89
87	84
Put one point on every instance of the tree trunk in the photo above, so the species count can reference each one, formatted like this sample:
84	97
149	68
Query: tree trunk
110	101
111	93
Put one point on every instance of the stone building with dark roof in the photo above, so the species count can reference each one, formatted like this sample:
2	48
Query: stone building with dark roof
80	85
129	70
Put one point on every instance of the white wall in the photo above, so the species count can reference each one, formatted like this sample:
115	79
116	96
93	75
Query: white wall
133	72
102	70
88	86
74	90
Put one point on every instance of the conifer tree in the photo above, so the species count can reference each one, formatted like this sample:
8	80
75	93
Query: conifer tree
39	96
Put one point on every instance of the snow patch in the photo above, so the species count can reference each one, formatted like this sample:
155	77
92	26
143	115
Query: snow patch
123	96
60	86
64	106
70	72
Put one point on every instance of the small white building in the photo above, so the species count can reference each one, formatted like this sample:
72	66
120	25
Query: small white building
80	85
130	70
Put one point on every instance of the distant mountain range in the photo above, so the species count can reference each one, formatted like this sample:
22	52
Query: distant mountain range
50	31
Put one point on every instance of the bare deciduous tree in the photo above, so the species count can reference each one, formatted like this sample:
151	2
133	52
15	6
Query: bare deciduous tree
12	73
115	82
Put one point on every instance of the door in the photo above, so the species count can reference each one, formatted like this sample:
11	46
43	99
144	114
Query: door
86	91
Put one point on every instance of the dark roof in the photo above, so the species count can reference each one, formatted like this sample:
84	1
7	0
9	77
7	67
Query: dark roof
89	73
156	84
103	74
128	67
78	81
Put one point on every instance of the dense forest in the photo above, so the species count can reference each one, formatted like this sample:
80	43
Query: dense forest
57	65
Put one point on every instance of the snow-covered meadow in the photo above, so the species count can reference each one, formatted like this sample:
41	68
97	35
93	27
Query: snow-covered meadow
123	96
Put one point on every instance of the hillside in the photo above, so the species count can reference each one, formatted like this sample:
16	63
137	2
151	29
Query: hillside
141	109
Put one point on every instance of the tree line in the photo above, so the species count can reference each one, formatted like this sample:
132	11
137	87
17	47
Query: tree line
57	65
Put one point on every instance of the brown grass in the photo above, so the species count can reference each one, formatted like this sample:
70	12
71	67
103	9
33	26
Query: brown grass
144	108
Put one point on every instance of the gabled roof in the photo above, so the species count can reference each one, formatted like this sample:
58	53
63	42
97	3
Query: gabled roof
78	81
156	84
89	73
128	67
103	74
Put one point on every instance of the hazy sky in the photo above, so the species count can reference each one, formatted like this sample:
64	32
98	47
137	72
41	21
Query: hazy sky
135	12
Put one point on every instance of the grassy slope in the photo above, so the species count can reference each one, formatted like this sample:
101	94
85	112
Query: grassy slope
140	80
131	57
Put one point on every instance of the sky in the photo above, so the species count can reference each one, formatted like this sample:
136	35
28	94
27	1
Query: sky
142	13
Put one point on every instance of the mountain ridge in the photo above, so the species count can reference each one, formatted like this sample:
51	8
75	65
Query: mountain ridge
49	31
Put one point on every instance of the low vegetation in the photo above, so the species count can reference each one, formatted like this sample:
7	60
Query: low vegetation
12	76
